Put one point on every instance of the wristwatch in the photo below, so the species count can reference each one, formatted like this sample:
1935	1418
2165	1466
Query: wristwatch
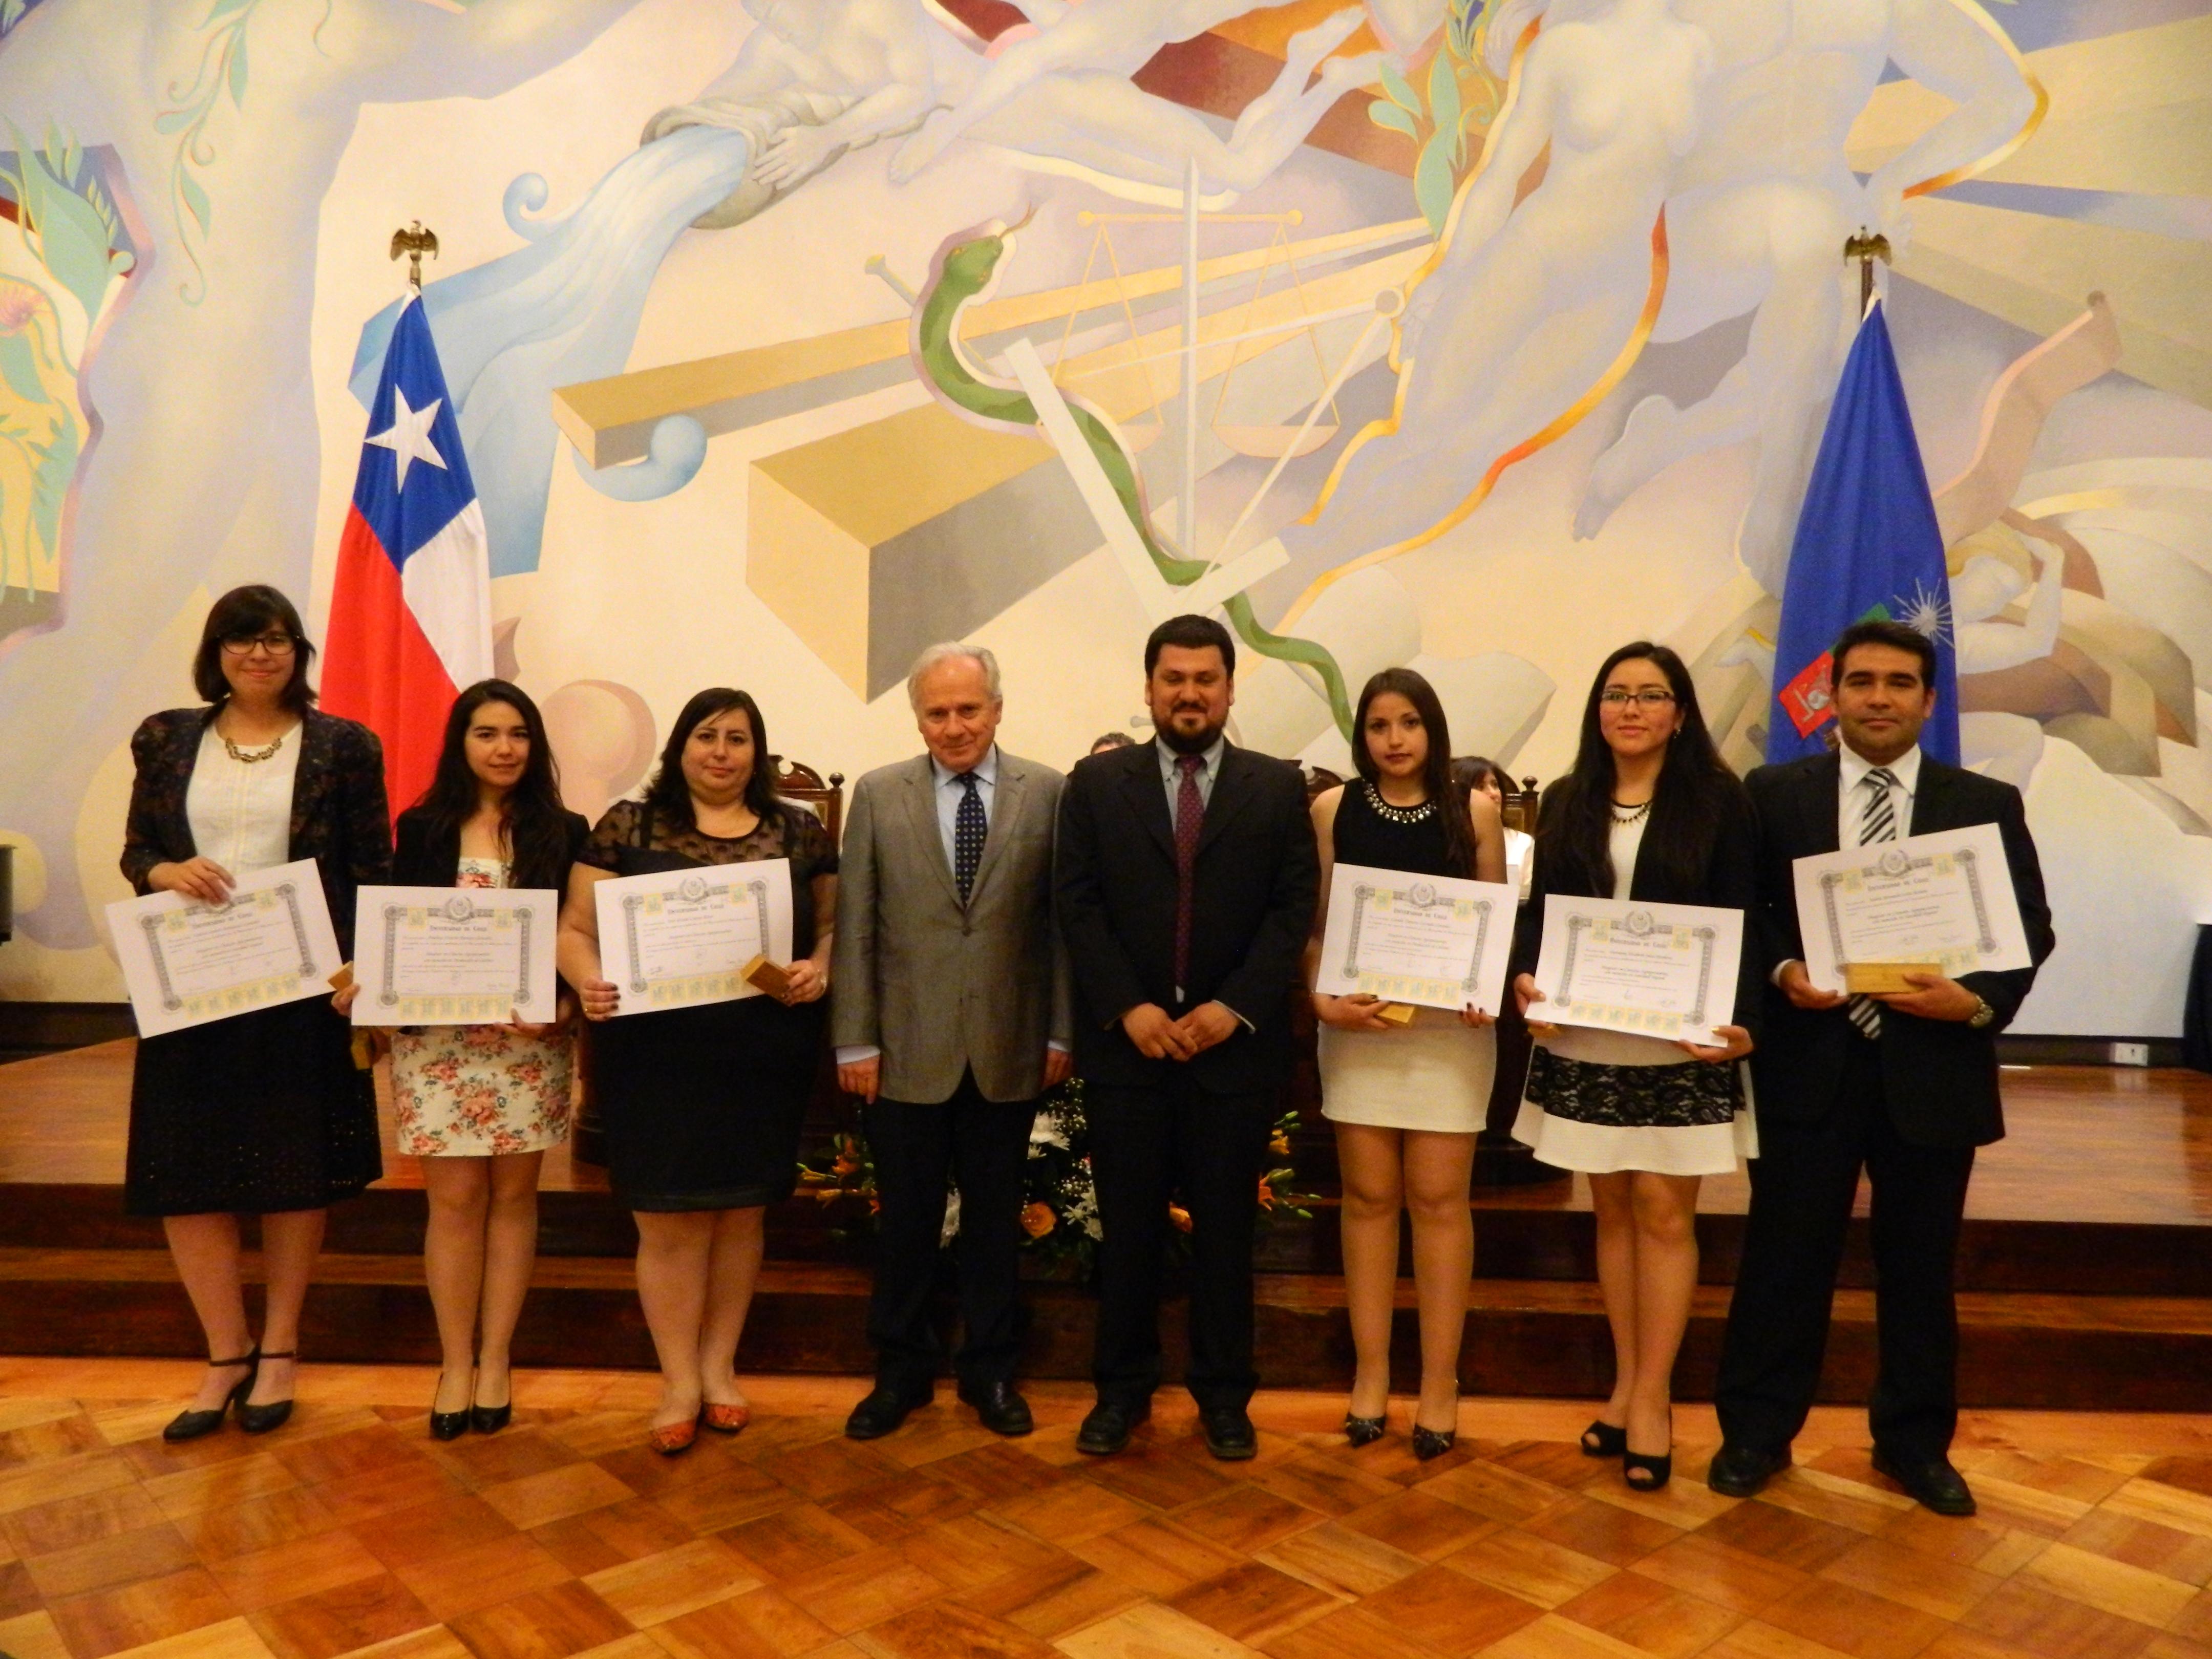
1982	1016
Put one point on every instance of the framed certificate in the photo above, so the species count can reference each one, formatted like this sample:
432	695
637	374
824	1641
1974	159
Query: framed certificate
189	964
454	956
1942	900
1433	940
680	937
1661	970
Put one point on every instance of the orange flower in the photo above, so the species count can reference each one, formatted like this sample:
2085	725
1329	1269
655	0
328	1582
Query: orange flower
1267	1194
1280	1146
875	1205
1037	1219
1180	1216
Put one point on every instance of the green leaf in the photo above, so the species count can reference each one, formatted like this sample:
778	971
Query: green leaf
224	8
1384	114
238	72
1432	180
196	199
173	120
1400	94
1444	100
11	13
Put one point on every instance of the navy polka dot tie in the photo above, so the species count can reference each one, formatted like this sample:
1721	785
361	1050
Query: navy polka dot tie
967	830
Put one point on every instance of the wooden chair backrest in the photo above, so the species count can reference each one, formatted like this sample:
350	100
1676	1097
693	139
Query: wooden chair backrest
805	785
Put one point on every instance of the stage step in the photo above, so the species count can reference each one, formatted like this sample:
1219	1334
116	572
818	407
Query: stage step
1537	1337
2064	1258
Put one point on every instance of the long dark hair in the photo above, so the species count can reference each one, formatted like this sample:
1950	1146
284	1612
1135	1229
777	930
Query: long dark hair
670	796
1436	770
1574	826
532	820
254	609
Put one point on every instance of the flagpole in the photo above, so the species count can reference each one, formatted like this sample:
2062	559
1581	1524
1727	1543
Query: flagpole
414	241
1866	249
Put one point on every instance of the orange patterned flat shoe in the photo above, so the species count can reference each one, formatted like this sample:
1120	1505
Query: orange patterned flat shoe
672	1438
727	1420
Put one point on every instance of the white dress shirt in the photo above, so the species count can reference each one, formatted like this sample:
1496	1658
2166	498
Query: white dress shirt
240	812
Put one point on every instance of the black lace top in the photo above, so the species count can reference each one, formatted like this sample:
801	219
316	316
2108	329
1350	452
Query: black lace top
795	833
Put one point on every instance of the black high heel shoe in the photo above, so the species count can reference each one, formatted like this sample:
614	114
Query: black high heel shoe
1656	1471
273	1414
190	1425
1605	1440
1432	1443
1364	1431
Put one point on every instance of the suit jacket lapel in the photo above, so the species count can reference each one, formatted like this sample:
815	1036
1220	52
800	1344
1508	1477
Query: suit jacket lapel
1232	790
1006	801
921	810
1822	806
1931	798
1147	797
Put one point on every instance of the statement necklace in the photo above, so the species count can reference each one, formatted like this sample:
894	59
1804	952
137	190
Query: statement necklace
1625	814
1399	814
254	757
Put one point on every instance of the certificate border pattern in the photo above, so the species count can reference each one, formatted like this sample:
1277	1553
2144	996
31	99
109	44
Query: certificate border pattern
1703	936
390	996
638	982
1969	865
285	892
1366	891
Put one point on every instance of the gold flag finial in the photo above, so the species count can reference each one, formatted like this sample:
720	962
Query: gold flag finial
1866	249
415	241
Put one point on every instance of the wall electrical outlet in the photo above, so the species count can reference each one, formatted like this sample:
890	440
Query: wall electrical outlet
2131	1054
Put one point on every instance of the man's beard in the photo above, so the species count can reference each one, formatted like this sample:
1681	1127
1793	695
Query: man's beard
1196	743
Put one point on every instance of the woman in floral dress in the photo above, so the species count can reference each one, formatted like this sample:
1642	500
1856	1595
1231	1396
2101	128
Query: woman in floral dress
479	1104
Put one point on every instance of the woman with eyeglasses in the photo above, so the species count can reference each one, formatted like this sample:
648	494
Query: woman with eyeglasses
1649	812
479	1104
262	1114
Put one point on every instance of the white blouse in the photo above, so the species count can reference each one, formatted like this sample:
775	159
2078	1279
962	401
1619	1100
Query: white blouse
241	813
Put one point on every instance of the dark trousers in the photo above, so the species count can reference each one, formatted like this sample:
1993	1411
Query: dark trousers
980	1145
1801	1188
1144	1145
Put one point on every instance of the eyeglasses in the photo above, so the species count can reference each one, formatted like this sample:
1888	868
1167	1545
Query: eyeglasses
276	645
1615	696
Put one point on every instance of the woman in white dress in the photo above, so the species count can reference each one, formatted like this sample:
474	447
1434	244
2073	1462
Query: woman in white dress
479	1104
1407	1100
1649	812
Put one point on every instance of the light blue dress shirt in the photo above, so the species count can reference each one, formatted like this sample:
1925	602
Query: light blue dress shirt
1206	773
950	793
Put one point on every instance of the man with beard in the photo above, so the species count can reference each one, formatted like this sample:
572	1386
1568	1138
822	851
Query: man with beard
1187	878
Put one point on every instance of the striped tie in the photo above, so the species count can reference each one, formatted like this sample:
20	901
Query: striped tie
1877	823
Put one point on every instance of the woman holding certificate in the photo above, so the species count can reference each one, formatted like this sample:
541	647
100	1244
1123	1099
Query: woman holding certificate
1407	1099
1649	812
260	1113
479	1104
703	1101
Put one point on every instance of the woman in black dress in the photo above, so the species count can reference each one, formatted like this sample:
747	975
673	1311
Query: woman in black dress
263	1113
702	1105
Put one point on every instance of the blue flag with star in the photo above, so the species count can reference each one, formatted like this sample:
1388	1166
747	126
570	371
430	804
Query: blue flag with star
1867	546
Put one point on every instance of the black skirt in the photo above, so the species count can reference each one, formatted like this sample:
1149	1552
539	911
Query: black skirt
701	1106
253	1114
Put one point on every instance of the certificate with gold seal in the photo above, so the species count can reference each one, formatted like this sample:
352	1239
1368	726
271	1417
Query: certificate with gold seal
454	956
189	964
1942	900
1434	941
677	939
1659	970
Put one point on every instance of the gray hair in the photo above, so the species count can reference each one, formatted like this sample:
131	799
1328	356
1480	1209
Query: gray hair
952	651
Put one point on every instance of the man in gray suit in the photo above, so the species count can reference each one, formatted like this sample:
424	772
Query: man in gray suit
952	1017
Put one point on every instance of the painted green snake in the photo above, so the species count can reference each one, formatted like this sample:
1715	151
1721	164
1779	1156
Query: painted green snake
962	271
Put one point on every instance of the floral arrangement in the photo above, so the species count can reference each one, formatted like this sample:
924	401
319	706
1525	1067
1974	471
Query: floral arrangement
1060	1209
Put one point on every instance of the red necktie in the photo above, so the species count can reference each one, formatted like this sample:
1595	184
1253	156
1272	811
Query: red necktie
1190	817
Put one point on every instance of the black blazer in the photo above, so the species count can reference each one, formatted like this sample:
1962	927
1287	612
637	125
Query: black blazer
1730	882
338	815
1940	1077
426	859
1114	876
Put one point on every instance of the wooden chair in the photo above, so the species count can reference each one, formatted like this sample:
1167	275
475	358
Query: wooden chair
805	785
1520	809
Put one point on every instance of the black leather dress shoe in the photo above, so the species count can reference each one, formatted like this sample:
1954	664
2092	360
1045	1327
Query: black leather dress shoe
1107	1429
1002	1409
1739	1470
1229	1433
883	1411
1931	1482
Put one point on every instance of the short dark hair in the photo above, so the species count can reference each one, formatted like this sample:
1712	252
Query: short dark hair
1110	741
1192	633
254	609
1899	636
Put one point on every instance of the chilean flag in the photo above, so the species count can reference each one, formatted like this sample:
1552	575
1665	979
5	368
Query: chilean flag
410	616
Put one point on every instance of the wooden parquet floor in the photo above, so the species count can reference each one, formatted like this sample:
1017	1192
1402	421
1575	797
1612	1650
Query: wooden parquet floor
350	1532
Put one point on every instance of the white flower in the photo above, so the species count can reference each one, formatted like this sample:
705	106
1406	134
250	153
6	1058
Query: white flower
952	1228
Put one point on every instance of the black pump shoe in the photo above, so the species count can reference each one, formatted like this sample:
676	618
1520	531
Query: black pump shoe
491	1420
1603	1439
1432	1443
1364	1431
260	1419
190	1425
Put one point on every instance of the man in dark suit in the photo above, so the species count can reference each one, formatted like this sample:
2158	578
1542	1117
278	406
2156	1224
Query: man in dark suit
1187	877
1904	1086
